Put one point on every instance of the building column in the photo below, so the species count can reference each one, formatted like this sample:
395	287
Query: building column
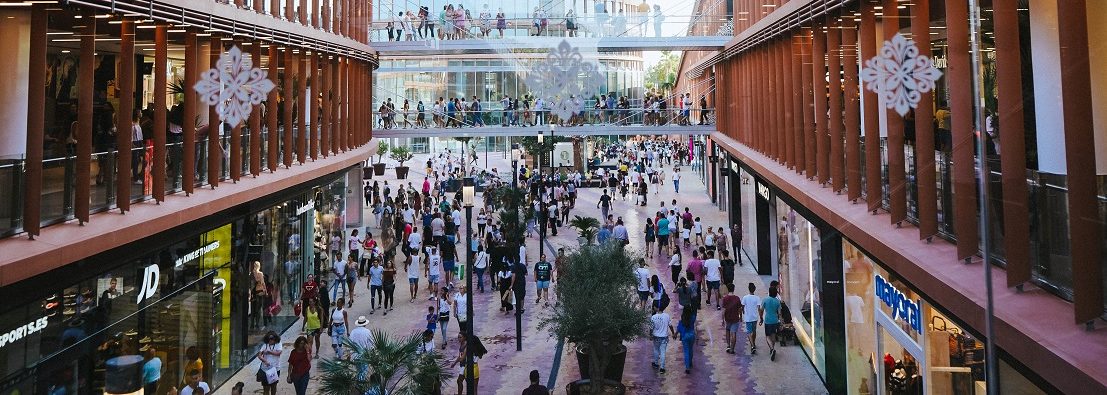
853	109
302	107
36	119
86	79
925	173
336	113
215	146
316	89
871	121
1080	154
787	102
287	96
123	115
161	88
897	173
345	85
273	134
191	105
326	111
834	73
795	87
807	102
255	118
960	80
818	80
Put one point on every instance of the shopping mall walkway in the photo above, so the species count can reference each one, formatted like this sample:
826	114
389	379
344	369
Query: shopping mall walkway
505	371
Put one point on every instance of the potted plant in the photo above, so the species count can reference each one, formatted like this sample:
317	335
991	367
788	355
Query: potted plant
598	311
586	228
401	154
391	366
382	148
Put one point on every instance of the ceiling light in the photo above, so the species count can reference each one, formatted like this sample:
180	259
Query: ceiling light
65	51
176	31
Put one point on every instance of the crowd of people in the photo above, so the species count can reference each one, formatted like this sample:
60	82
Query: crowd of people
526	110
455	22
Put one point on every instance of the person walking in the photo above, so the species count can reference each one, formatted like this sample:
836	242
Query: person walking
412	270
299	365
770	313
649	235
686	329
675	265
338	328
751	314
375	283
269	356
443	314
480	265
388	286
543	274
713	273
312	324
505	279
661	328
151	370
642	274
535	388
732	317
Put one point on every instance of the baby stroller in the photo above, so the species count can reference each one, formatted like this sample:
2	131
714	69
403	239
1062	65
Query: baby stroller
787	331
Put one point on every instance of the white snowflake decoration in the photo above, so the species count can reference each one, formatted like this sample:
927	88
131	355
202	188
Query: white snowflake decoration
233	86
899	74
727	29
564	80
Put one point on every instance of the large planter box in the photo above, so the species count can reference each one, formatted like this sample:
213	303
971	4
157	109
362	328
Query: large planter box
401	172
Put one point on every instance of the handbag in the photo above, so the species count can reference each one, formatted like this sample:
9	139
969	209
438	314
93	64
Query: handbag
272	376
260	376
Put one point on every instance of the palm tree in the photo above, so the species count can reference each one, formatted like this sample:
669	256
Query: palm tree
392	365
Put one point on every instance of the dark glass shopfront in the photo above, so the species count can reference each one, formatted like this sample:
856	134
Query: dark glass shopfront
183	293
842	301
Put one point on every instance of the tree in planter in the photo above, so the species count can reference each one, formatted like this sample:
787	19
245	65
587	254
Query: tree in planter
539	150
401	154
597	308
512	224
382	148
586	227
391	359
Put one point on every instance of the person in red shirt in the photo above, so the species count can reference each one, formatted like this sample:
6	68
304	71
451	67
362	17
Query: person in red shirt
310	288
299	364
732	317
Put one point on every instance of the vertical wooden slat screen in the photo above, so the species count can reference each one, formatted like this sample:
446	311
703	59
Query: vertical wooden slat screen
274	8
301	100
852	107
345	84
1016	209
818	81
834	66
272	135
36	120
788	100
772	115
796	77
925	171
123	123
287	88
161	88
188	129
215	157
808	106
255	119
316	85
335	112
897	177
779	128
235	142
1080	156
871	121
86	77
961	106
327	92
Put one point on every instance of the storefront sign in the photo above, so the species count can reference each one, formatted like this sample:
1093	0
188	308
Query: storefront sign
763	190
306	207
196	254
902	307
23	331
151	278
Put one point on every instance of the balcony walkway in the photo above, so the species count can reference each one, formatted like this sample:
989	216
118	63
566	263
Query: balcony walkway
532	44
585	130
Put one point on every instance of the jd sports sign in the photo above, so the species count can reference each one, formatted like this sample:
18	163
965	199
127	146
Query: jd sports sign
22	331
903	308
151	278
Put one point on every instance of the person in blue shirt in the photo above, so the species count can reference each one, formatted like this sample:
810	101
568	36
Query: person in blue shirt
770	310
686	330
603	235
151	371
451	111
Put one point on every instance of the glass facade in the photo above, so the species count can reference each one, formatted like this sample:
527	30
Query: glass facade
798	250
191	302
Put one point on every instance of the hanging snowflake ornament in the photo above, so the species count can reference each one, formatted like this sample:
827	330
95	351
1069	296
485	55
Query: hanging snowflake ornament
899	74
233	86
727	29
564	80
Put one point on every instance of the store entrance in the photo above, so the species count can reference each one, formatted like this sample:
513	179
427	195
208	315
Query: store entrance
766	225
899	363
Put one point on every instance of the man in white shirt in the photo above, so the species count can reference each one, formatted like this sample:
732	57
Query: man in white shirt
714	277
414	242
751	314
460	302
339	270
361	334
661	326
433	270
413	274
457	222
438	228
620	232
408	214
642	274
676	180
194	385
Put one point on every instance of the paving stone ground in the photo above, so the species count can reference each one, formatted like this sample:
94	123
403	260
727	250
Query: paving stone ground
505	371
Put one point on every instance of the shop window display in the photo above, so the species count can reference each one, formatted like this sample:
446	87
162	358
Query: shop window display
798	249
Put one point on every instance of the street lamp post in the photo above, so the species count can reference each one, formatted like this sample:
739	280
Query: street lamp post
516	155
468	190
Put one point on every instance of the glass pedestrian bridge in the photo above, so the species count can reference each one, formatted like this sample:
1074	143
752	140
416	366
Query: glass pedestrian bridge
494	123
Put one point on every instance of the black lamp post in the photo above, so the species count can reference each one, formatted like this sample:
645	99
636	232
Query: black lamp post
468	190
714	181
